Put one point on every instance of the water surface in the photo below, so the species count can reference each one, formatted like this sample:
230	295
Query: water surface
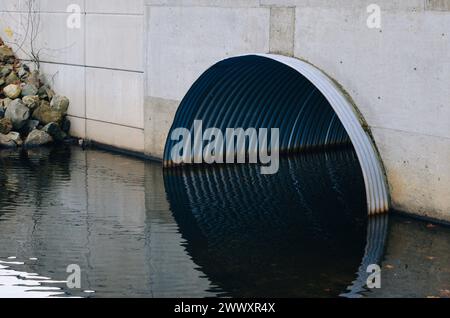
136	231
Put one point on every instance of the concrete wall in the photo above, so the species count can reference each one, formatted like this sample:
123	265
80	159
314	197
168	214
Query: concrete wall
153	50
99	66
398	75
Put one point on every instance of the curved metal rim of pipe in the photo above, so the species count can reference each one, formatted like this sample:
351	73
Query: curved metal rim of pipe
372	169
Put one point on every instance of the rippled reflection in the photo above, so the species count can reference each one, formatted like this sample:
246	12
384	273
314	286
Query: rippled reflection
301	232
107	213
221	231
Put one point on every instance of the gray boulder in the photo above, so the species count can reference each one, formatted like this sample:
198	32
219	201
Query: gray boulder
38	138
15	136
5	126
18	113
30	125
12	78
55	131
46	115
6	142
5	102
29	90
60	103
5	70
5	53
12	91
31	101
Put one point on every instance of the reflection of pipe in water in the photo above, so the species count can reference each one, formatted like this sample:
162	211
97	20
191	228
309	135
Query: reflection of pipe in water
300	232
377	231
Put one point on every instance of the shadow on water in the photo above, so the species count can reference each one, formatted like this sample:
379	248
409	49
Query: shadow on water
299	233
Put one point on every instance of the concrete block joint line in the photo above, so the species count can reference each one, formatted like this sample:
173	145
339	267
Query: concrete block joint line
274	91
155	49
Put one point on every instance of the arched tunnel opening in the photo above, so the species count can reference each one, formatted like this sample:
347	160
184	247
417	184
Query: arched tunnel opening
240	225
271	91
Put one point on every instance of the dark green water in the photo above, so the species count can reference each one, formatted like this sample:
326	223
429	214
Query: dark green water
223	231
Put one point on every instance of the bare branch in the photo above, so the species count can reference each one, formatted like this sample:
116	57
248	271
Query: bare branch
27	41
28	35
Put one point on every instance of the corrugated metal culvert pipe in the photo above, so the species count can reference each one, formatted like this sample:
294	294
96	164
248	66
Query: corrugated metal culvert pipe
272	91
